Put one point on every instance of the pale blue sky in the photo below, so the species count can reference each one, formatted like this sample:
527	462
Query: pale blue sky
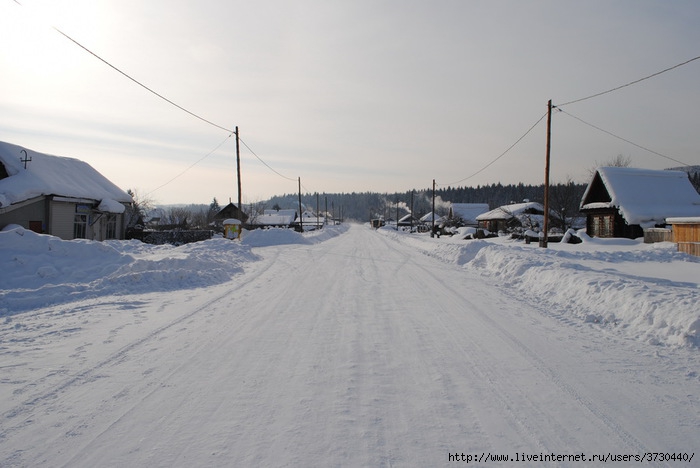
350	96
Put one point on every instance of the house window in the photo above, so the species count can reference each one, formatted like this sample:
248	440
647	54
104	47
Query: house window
111	232
80	221
603	225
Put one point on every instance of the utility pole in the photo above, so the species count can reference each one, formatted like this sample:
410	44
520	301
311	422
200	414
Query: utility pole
432	229
543	241
397	213
301	217
317	209
238	166
411	218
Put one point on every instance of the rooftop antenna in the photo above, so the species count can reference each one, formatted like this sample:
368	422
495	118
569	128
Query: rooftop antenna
26	159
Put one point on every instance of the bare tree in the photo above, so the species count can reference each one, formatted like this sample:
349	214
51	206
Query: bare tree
565	199
176	216
617	161
141	205
199	219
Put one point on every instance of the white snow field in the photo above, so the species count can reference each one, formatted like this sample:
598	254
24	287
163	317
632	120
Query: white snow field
348	347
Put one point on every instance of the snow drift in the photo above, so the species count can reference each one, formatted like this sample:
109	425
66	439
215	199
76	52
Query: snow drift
646	291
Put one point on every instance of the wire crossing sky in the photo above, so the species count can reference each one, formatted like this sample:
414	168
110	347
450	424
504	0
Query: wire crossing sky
364	96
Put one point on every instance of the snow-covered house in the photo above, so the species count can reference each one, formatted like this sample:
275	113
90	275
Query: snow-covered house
468	212
230	211
409	220
274	219
310	221
64	197
623	201
526	215
428	219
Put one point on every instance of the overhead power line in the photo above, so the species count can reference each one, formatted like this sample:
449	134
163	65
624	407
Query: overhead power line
139	83
624	139
152	91
501	155
192	165
266	164
630	83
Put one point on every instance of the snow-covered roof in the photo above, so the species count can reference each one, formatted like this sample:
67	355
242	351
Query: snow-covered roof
54	175
644	196
428	218
469	211
276	218
510	211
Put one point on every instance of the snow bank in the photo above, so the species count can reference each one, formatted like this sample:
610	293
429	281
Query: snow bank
48	270
37	270
649	292
279	236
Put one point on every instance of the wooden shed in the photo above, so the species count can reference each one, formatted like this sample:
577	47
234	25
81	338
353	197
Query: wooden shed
686	233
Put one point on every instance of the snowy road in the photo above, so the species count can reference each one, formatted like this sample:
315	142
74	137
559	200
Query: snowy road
356	351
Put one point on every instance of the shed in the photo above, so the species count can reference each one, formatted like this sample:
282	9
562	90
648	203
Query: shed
232	228
686	233
57	195
623	201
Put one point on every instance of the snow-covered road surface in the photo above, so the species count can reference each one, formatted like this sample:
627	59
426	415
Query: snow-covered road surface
355	351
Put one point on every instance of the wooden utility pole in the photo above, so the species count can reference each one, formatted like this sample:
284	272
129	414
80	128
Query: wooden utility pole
317	210
432	228
543	241
397	213
238	167
301	217
411	218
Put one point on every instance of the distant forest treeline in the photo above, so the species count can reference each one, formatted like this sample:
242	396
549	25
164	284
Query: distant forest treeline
360	206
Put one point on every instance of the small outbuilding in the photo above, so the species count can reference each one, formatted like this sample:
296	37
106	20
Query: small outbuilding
232	228
623	201
686	233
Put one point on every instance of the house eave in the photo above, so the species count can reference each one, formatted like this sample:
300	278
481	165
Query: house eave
15	206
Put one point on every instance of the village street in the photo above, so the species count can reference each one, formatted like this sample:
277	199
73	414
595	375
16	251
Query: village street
355	351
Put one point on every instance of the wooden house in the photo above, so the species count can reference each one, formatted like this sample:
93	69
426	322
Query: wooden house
230	211
408	221
309	221
60	196
623	201
526	215
274	219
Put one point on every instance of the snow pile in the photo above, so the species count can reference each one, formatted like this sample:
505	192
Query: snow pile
281	236
48	270
649	292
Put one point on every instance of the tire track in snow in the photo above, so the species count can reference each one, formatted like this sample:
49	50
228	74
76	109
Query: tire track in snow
487	372
30	405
